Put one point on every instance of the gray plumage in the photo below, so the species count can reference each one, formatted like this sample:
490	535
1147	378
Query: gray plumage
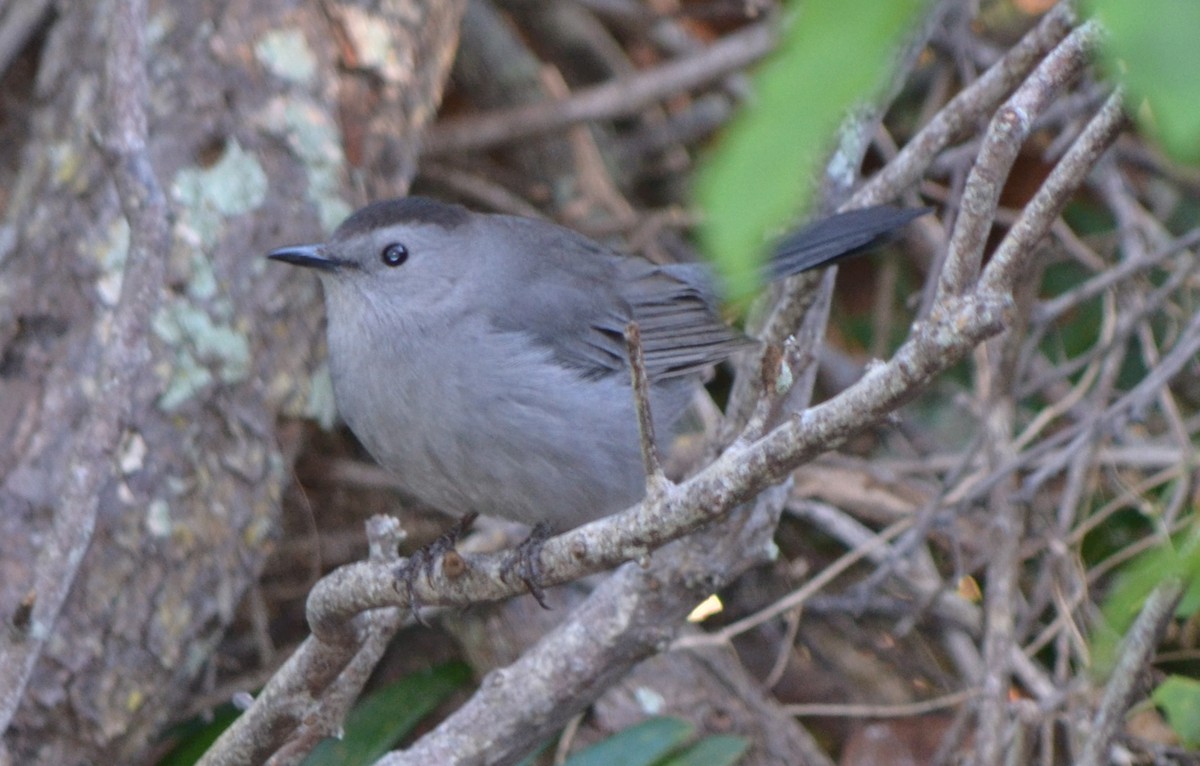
487	368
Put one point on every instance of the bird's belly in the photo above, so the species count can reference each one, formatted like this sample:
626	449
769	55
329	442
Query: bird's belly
565	453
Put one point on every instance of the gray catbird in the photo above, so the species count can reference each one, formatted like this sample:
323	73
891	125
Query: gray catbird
482	357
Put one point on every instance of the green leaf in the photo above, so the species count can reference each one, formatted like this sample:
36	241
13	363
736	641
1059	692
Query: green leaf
1152	48
535	754
1179	698
640	745
1180	557
1177	558
383	718
195	738
724	750
833	54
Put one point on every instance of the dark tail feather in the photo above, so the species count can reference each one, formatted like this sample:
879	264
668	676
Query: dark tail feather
839	236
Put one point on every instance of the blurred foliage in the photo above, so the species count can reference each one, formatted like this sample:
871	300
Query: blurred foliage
640	745
373	727
381	719
724	750
1078	330
194	737
833	54
661	742
1151	46
1177	558
1179	698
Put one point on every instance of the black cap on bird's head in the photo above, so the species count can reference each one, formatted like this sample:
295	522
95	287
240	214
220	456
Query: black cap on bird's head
373	217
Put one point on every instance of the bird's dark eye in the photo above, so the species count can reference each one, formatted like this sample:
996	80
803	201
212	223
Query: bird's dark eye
394	254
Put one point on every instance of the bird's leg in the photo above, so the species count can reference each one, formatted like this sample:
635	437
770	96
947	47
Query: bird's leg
422	560
526	562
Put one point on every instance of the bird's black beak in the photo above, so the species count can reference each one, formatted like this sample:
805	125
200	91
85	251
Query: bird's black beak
308	256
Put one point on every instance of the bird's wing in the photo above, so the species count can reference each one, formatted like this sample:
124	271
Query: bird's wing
566	298
577	297
674	307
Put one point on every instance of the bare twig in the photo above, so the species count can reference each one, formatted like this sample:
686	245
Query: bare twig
1119	411
307	699
1006	527
472	186
902	172
618	98
1007	132
976	101
1017	247
1136	650
656	480
798	597
1007	512
911	709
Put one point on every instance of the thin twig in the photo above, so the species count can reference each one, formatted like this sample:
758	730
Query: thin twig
308	698
1135	653
1017	247
1118	412
656	480
1003	140
908	710
472	186
796	598
1006	529
961	114
619	98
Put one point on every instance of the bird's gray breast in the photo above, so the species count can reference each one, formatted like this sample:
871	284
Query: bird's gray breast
474	418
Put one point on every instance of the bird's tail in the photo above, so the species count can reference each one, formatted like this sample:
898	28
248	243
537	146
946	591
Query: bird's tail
839	236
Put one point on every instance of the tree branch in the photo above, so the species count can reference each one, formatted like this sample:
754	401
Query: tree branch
618	98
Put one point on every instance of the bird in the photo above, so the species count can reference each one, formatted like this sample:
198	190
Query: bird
481	357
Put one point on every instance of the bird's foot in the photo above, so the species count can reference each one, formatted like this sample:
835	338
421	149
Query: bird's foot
425	558
525	561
